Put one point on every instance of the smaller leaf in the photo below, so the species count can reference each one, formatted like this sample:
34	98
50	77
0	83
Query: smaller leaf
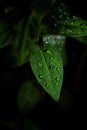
26	34
60	22
28	96
5	35
82	39
47	66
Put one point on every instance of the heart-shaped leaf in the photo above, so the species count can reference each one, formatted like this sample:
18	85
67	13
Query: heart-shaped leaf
46	64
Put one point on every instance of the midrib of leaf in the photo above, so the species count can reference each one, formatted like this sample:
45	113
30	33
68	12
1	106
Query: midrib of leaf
48	82
54	48
47	68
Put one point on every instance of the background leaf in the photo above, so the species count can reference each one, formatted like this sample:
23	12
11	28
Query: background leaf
47	66
24	33
82	39
60	21
28	96
5	35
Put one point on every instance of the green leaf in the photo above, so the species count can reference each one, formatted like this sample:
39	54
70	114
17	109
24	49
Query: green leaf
46	64
82	39
60	22
27	33
73	27
5	35
28	96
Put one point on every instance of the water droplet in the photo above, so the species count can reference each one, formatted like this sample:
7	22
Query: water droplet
46	42
69	30
51	67
51	58
57	69
41	77
49	52
57	79
47	85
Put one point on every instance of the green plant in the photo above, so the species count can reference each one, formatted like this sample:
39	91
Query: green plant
34	33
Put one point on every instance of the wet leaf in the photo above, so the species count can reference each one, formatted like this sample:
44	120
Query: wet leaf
47	66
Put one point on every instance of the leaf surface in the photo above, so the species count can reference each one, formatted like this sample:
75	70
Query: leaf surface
46	64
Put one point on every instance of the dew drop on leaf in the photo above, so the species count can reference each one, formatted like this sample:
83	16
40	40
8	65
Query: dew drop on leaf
57	69
51	67
51	58
57	79
47	85
49	52
41	76
46	42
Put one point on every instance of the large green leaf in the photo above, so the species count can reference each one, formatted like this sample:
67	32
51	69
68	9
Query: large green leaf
47	66
60	21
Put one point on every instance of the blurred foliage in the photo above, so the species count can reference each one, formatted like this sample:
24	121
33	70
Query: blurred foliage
28	125
33	38
28	96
